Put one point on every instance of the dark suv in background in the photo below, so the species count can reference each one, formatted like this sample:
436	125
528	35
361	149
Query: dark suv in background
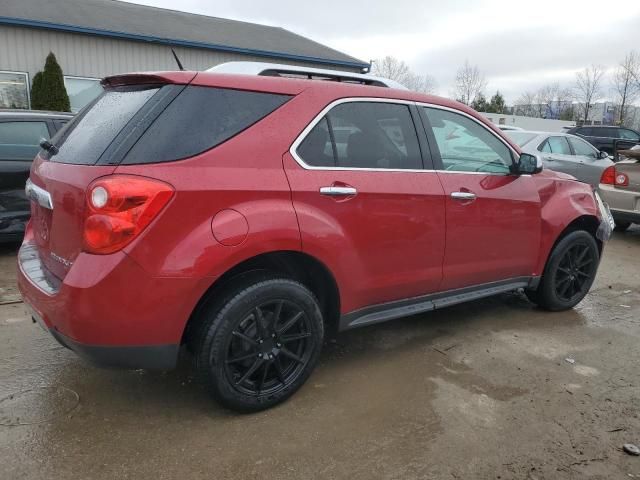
20	135
605	137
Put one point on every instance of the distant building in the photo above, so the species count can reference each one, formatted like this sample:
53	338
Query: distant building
554	110
601	113
96	38
529	123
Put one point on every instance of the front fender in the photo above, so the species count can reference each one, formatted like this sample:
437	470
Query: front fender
562	203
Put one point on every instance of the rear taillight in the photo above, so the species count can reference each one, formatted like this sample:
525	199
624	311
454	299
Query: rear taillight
608	177
119	207
611	177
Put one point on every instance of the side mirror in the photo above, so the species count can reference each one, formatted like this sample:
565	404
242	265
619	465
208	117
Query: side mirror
529	164
602	154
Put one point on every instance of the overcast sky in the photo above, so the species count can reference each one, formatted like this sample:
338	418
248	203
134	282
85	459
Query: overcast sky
518	45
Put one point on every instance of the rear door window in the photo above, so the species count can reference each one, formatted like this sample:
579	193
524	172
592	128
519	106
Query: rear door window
20	140
586	131
545	147
316	149
376	135
87	136
608	132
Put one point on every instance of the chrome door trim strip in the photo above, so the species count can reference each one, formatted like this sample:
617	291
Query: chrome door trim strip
38	194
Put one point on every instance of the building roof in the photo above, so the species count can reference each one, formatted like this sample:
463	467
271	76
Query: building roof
119	19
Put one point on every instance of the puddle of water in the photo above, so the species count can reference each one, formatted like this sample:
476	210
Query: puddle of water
37	405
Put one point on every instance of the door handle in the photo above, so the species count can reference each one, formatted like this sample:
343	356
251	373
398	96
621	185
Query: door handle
338	191
463	196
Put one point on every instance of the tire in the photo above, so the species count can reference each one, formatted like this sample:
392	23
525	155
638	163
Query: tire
249	366
622	226
569	272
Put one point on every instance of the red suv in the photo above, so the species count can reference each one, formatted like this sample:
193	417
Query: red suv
246	215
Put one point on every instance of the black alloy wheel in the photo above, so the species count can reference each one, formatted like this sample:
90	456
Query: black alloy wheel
569	273
574	272
269	349
258	341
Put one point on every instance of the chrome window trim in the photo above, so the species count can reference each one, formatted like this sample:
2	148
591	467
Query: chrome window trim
300	138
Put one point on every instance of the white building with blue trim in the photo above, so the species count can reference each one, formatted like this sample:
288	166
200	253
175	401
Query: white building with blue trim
96	38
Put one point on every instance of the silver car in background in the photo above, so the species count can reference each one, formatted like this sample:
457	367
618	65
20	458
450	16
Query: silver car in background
565	153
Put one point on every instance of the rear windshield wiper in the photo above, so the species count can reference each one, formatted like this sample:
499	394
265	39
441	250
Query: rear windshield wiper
48	146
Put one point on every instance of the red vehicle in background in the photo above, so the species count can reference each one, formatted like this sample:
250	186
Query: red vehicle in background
245	215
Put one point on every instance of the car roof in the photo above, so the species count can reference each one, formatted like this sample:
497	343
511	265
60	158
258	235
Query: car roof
283	85
33	114
602	126
335	89
540	133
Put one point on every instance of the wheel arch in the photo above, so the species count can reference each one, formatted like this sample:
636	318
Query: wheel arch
586	222
296	265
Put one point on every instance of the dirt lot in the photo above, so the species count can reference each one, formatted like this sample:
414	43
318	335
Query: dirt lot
482	390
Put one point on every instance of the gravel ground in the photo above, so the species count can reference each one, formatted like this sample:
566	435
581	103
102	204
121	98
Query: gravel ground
492	389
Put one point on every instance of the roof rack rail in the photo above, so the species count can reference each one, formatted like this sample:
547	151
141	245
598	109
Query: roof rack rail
294	71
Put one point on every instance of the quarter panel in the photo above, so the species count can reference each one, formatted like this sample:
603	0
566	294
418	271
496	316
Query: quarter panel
244	174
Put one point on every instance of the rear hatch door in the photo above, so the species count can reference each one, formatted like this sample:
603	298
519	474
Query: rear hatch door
89	147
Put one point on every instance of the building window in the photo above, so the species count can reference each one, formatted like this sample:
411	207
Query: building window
14	90
81	91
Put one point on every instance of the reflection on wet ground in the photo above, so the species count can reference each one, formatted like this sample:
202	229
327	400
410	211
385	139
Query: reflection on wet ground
492	388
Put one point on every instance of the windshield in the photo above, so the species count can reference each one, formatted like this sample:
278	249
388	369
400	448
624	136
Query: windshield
521	138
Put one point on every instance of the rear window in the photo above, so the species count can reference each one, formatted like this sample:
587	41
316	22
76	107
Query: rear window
520	138
199	119
88	135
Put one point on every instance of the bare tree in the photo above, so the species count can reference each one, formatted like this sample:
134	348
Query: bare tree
395	69
549	101
552	100
525	105
469	83
625	87
588	88
420	83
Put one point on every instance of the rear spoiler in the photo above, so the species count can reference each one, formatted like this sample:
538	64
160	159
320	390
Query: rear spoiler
150	78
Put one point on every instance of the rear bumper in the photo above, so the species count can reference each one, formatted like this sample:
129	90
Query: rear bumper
625	216
109	310
624	204
153	357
